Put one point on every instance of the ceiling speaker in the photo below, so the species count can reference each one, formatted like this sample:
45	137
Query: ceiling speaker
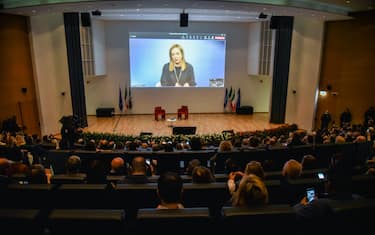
184	19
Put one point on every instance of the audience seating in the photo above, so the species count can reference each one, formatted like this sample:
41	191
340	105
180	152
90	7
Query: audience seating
86	221
131	197
28	196
183	112
68	179
173	221
159	113
21	221
353	216
364	185
212	195
269	219
85	196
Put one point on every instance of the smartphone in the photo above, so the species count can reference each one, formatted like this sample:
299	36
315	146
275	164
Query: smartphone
310	194
148	162
182	164
321	176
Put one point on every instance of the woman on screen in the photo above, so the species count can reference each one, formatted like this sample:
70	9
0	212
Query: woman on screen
177	72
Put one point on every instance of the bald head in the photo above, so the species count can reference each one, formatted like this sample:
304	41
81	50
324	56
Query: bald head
139	165
117	164
4	165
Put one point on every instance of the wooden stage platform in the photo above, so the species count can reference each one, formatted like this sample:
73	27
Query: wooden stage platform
133	124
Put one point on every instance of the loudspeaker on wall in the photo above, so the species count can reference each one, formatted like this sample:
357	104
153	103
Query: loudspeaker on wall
85	19
184	19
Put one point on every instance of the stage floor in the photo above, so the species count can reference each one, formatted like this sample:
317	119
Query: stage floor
206	123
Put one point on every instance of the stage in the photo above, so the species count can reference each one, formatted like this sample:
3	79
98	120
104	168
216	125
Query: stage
133	124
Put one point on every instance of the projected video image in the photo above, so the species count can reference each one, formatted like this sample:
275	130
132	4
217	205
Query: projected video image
176	59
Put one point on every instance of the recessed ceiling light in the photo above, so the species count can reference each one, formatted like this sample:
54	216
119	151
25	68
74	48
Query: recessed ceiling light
348	1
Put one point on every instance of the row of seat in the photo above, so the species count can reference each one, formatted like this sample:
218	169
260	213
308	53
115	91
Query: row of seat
134	196
349	216
276	157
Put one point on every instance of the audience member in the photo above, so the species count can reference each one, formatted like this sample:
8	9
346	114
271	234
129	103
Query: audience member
225	146
292	170
191	165
38	174
256	168
118	166
4	166
202	174
251	192
169	190
337	187
138	172
309	162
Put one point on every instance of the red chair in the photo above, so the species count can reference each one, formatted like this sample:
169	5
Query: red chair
159	113
183	112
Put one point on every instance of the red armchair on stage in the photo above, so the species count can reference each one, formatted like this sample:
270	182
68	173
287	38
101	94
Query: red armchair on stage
159	113
183	112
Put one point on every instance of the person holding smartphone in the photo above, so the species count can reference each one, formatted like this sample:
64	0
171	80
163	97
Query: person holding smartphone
337	188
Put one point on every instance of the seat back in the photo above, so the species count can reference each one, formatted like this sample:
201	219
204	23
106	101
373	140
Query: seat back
173	221
270	219
85	221
20	221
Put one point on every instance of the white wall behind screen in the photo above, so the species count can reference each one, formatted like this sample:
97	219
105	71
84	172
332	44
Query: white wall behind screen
104	91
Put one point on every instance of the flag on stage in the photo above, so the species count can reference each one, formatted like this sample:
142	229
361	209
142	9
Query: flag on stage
232	102
130	98
238	103
120	102
226	97
126	97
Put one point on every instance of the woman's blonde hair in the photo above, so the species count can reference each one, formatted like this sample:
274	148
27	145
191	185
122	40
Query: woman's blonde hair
171	63
256	168
251	192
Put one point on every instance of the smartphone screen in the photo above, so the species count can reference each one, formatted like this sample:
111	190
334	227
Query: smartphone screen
321	176
182	164
310	194
148	162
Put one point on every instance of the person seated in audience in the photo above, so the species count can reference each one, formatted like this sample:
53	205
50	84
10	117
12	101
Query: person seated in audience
19	171
292	170
296	138
191	165
340	140
118	166
245	143
144	147
73	167
360	139
309	162
196	143
137	172
96	172
253	167
169	190
225	146
251	192
254	142
201	175
337	188
4	167
91	145
38	174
